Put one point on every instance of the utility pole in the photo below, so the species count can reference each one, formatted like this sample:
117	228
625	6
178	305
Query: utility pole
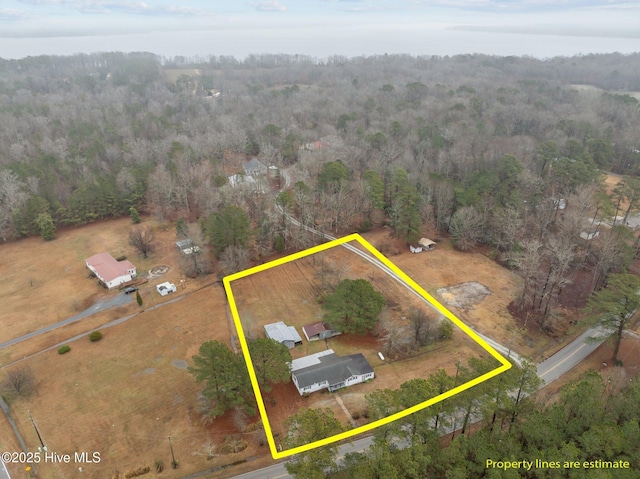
43	448
174	463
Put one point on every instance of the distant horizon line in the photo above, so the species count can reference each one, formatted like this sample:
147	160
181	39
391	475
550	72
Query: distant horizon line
201	58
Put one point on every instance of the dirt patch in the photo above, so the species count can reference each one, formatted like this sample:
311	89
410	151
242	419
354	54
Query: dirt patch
158	271
465	295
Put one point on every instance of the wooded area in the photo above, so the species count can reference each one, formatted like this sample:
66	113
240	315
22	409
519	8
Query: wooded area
507	152
503	153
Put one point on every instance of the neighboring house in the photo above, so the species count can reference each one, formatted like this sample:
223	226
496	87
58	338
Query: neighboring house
166	288
589	236
427	244
326	370
415	248
254	168
242	180
186	246
319	330
284	334
111	272
316	145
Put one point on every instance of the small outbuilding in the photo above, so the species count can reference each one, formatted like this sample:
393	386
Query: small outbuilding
319	330
166	288
284	334
186	246
427	244
415	248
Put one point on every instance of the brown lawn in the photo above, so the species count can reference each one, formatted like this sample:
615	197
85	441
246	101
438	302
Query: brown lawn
123	396
43	283
294	301
444	267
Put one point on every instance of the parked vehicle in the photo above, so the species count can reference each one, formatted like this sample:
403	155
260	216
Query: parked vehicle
130	289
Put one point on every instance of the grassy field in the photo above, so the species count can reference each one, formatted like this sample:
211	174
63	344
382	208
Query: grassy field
124	395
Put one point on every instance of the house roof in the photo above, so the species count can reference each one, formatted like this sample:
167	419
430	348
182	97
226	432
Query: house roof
281	332
239	179
185	243
329	367
426	242
315	328
254	166
108	268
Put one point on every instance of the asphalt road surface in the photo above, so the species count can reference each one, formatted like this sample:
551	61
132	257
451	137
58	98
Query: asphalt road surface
119	300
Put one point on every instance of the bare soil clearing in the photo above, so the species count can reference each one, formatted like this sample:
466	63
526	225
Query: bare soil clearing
445	267
464	295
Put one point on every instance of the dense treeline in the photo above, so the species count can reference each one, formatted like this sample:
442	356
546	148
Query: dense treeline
592	423
589	424
484	149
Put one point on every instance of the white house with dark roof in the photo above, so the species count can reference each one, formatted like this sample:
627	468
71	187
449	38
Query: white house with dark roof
111	272
327	370
284	334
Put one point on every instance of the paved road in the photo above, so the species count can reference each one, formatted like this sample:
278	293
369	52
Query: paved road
119	300
4	474
552	368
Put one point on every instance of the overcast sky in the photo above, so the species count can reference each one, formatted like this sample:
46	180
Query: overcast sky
320	28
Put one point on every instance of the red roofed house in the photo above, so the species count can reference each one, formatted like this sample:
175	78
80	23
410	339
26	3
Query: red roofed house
111	272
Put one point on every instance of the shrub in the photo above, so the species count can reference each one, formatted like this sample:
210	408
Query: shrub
95	336
233	444
159	465
121	258
64	349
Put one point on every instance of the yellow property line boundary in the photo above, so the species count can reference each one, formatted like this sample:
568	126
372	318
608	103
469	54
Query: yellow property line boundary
505	365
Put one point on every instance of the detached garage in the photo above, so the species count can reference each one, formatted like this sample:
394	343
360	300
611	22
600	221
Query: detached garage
284	334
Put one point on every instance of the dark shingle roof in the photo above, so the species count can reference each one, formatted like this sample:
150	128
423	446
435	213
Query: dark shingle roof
333	369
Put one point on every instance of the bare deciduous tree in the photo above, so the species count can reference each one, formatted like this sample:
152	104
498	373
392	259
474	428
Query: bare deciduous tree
19	382
423	328
142	238
466	227
234	259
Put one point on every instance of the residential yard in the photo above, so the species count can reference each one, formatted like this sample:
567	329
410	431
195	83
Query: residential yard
294	301
124	395
42	283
